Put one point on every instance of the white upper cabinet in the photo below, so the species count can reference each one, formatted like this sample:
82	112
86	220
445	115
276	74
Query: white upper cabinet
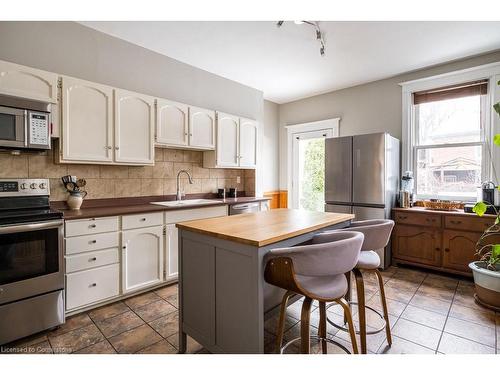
172	121
248	143
201	128
134	128
227	140
87	121
236	143
22	81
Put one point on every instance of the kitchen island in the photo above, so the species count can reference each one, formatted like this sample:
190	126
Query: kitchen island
223	297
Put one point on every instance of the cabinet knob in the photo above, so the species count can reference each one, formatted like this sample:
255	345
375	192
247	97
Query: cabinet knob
456	221
117	148
108	147
93	241
143	219
92	226
438	249
447	250
93	285
93	259
403	217
124	247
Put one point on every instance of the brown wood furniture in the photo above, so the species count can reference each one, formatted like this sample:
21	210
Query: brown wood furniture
438	240
279	198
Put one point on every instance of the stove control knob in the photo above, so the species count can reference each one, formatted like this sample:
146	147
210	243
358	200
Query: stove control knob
33	186
42	186
24	186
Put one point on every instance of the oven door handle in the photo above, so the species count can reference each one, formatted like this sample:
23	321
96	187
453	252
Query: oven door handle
30	227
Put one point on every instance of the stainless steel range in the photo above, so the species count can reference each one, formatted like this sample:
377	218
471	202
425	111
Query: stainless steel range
31	259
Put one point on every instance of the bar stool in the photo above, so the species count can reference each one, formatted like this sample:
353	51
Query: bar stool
376	236
316	272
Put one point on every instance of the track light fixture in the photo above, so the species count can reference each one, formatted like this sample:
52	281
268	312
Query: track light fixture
319	34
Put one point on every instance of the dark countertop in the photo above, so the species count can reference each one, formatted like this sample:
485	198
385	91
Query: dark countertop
127	206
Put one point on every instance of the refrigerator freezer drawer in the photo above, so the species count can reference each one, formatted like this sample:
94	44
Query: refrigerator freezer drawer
338	208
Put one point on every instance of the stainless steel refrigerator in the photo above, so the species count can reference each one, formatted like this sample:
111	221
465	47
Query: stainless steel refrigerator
362	177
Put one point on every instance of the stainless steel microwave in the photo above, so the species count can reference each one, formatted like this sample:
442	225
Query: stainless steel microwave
24	124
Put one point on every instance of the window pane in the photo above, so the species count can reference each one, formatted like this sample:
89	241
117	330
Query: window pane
449	121
312	174
452	171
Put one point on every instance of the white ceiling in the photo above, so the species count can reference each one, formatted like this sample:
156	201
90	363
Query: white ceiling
285	63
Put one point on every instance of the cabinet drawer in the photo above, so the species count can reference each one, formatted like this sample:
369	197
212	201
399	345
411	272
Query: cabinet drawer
91	259
93	242
172	217
91	226
412	218
473	224
86	287
142	220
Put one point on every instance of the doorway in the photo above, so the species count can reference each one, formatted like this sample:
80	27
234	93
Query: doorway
308	169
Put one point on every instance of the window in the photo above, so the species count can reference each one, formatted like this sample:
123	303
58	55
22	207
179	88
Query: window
449	150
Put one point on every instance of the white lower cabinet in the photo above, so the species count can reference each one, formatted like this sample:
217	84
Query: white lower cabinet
91	286
142	258
109	258
171	252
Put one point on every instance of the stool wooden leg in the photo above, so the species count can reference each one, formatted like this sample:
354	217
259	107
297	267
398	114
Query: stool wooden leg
322	326
305	340
384	307
352	330
281	321
360	291
348	296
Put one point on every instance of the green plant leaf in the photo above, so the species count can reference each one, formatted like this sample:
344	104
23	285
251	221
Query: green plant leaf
496	107
495	251
497	220
479	208
496	139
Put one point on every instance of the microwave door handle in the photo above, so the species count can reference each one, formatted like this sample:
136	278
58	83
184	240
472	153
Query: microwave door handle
26	129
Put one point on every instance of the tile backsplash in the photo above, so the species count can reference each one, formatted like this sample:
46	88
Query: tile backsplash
115	181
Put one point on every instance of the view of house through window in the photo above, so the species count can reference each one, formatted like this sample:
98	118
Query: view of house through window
448	152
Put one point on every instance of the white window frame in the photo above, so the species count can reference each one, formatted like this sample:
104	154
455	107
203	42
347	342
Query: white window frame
490	154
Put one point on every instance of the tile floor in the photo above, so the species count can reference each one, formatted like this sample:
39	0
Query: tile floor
430	313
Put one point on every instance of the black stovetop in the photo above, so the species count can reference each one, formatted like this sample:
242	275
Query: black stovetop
25	210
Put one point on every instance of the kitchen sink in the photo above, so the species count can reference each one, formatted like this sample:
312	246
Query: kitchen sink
186	202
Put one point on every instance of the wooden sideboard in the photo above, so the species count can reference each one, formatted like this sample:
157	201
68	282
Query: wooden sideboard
438	240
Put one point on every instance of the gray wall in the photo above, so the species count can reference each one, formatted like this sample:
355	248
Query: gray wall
368	108
270	153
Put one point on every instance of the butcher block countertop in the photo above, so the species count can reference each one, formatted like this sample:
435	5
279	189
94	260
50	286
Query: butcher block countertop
266	227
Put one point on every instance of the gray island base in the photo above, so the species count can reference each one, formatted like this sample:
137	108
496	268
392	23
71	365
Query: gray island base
223	298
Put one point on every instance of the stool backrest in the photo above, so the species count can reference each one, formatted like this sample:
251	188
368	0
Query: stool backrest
377	233
335	257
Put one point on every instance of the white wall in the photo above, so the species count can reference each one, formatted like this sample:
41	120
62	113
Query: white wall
369	108
270	154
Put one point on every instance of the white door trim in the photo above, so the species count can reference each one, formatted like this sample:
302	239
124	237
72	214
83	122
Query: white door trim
329	124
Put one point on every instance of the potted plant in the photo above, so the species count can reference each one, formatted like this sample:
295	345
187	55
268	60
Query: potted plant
486	270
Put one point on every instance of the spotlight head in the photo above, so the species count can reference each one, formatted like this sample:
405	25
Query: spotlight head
279	23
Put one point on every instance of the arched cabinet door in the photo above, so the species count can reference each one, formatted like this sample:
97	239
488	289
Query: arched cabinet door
87	121
201	128
134	128
459	249
248	143
25	82
227	140
172	119
142	258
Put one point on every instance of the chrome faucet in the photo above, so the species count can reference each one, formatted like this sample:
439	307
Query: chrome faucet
178	194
